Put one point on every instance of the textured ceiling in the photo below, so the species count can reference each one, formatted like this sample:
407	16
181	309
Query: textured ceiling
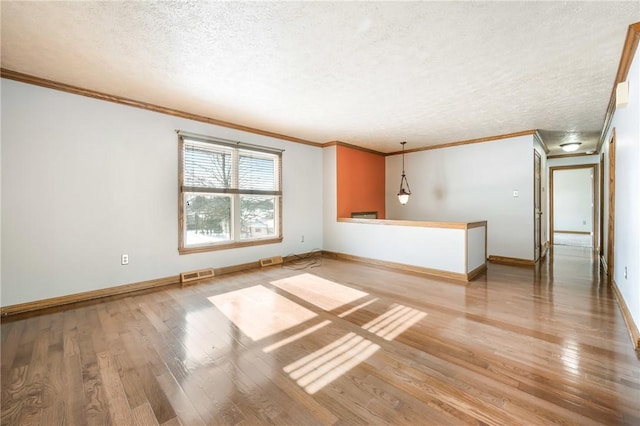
366	73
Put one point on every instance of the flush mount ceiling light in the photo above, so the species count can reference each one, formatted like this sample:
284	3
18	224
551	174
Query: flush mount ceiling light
403	194
570	146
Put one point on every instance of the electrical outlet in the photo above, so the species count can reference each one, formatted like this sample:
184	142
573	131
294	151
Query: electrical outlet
625	272
302	239
124	259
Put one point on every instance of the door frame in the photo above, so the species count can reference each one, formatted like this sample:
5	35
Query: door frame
537	212
601	241
593	199
612	207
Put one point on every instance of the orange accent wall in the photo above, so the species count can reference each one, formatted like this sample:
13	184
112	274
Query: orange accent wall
361	181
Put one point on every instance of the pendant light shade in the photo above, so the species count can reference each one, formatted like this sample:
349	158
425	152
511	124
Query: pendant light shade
403	194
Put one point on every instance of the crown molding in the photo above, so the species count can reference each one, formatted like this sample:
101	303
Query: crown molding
542	143
575	154
467	142
628	51
50	84
348	145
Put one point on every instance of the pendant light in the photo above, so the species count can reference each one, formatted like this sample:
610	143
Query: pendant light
403	194
570	147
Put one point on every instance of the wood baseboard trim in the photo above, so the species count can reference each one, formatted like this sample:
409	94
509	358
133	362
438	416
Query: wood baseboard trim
511	261
86	296
632	328
573	232
237	268
398	266
478	271
55	302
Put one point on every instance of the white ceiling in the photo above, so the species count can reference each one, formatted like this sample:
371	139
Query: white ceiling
367	73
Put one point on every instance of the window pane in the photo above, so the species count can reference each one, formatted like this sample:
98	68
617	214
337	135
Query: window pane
206	165
258	171
257	216
207	219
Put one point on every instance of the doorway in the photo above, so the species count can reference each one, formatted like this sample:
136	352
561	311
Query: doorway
572	205
612	207
537	205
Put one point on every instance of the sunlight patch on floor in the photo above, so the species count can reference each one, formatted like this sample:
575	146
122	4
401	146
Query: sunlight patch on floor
321	292
259	312
329	363
318	369
394	322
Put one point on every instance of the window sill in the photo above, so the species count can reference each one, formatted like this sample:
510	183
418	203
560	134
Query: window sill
202	249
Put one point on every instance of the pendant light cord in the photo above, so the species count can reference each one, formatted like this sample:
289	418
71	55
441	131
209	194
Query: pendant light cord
403	178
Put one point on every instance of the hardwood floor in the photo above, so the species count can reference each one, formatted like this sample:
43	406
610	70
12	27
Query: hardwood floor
341	343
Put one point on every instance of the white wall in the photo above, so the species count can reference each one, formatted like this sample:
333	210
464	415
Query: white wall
626	122
573	200
476	256
469	183
84	181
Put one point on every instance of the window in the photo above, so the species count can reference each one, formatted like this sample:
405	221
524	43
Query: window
230	194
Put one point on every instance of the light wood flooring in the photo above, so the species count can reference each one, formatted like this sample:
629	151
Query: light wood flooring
342	343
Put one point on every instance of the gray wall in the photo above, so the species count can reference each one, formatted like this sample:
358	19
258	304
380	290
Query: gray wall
468	183
84	181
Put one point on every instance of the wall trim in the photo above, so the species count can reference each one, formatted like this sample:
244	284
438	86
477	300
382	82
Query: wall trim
504	260
348	145
50	84
573	232
54	302
632	328
576	154
415	223
478	271
37	305
467	142
542	143
457	276
628	51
